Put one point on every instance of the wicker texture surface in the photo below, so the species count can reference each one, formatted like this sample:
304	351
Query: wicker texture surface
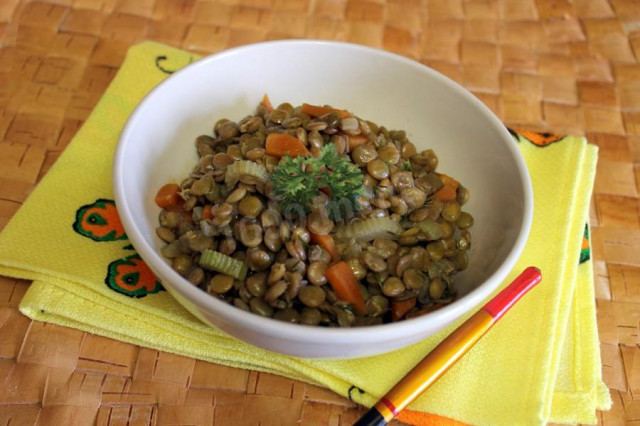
567	66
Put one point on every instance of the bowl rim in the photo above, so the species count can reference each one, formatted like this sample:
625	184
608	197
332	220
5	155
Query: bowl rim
298	332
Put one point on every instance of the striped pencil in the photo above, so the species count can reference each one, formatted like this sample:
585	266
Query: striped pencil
449	351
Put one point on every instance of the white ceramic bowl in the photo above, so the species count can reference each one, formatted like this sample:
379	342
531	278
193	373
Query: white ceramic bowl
156	147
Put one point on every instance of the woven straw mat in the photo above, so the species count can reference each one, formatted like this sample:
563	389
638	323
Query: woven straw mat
568	66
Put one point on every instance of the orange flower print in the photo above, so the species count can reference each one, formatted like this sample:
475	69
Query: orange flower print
130	276
538	139
99	221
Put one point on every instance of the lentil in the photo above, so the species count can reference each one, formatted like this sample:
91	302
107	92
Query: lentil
312	296
315	273
220	284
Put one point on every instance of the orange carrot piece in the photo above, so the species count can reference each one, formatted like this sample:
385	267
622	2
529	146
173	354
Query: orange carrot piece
446	193
327	243
326	191
267	102
449	191
317	111
168	197
281	144
357	140
399	308
206	213
345	284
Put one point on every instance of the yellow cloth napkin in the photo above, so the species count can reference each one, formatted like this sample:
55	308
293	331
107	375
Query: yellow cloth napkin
540	363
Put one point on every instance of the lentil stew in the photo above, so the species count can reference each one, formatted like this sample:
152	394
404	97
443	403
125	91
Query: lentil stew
315	216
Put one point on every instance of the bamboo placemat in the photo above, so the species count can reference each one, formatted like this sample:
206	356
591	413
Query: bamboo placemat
567	66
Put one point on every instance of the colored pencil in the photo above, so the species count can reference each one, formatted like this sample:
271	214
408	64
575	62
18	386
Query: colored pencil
449	351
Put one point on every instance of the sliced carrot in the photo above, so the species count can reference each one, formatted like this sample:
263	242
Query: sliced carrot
206	213
357	140
281	144
327	243
317	111
449	191
267	103
345	285
326	191
399	308
168	197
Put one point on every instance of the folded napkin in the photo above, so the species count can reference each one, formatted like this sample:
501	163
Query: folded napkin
540	363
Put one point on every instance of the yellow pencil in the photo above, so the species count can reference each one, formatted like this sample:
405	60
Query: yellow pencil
450	350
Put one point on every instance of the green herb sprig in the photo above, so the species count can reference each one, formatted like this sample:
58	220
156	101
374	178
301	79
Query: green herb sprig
296	181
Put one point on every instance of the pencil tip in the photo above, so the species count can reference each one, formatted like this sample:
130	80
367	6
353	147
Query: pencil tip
371	418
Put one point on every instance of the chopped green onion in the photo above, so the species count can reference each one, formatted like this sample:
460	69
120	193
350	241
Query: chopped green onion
216	261
369	229
431	229
246	168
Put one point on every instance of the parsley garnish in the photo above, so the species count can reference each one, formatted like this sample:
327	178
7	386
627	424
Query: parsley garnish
297	180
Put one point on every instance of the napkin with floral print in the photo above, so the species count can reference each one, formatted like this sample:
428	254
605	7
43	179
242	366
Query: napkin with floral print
541	363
